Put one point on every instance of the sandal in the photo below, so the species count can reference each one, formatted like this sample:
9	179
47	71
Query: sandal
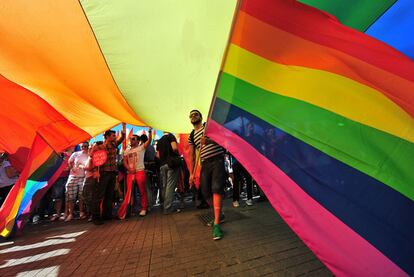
69	218
54	217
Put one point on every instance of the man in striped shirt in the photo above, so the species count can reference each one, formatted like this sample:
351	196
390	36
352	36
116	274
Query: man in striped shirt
213	174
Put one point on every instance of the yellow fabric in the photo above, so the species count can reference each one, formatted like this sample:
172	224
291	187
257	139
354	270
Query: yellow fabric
165	55
323	89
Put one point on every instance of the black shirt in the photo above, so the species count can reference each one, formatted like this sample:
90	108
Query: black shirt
165	149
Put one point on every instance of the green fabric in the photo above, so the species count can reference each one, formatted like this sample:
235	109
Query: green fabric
382	156
357	14
165	55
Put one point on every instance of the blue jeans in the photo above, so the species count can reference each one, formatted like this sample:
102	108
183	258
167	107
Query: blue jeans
169	179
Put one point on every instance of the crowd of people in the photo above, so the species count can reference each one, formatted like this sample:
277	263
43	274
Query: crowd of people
152	171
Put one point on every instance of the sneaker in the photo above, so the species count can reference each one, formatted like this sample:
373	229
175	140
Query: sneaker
211	222
143	213
62	218
167	212
236	204
217	232
36	219
249	202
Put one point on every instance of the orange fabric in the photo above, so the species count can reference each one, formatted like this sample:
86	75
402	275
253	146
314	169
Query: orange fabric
184	149
22	115
52	50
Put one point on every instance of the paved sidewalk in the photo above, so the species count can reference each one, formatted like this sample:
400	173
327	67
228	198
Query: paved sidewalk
256	243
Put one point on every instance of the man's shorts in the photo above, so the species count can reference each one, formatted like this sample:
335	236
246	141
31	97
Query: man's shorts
58	188
212	176
74	186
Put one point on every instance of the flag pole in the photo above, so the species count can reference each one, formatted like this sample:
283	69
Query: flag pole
124	141
223	60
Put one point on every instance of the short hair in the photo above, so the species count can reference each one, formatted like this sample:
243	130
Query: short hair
136	136
197	112
99	142
144	138
108	133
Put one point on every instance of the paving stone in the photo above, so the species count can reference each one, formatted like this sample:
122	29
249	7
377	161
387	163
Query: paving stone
173	246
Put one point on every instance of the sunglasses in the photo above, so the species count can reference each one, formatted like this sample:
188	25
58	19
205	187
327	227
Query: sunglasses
194	114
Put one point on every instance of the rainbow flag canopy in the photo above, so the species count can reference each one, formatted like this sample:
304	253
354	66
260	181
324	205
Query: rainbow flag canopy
315	98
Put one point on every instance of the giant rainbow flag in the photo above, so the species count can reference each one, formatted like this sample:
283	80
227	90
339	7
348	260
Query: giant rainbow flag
70	70
334	107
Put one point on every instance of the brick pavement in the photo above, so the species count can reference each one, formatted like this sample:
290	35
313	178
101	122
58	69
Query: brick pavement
257	243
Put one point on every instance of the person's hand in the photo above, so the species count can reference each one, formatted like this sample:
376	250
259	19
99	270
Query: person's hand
96	174
93	150
149	129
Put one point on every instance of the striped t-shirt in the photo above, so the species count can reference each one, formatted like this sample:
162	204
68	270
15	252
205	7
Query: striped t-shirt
208	150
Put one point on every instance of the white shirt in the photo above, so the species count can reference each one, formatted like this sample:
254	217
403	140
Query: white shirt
88	173
78	159
135	157
5	181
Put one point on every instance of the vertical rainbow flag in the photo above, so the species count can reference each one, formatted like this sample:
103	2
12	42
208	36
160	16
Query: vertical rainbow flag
334	109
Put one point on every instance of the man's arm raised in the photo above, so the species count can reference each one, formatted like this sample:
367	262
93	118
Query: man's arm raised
148	142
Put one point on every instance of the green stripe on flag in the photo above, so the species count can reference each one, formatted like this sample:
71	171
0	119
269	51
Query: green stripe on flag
358	14
377	154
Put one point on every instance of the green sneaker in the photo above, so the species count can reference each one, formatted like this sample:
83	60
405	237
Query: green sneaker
222	220
217	232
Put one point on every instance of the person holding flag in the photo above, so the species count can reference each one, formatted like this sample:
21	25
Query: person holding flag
213	174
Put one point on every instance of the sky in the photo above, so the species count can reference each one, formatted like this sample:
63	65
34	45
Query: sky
136	129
